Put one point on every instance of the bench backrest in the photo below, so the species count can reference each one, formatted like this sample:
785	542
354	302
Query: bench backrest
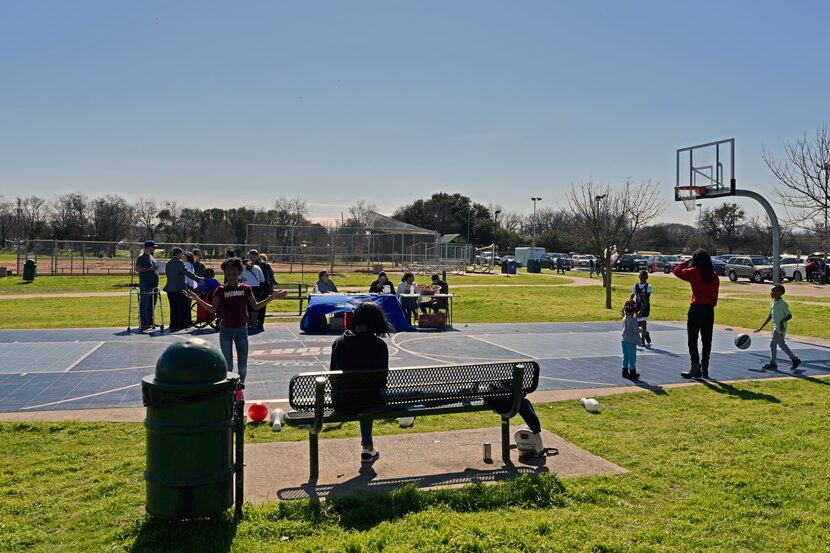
419	384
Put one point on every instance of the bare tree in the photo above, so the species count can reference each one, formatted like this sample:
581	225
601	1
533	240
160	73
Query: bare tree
804	182
33	213
357	213
7	220
290	212
609	217
69	217
169	218
146	212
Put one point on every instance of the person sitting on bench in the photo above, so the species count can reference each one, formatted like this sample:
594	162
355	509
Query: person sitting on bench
436	304
361	348
527	412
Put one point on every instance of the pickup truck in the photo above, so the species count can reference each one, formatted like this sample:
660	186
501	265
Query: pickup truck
630	262
755	268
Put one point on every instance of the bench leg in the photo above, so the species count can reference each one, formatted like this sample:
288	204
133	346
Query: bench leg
505	441
313	457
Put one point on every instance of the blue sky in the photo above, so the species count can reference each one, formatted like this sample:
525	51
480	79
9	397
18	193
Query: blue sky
225	104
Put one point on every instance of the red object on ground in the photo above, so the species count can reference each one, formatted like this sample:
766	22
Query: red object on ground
258	412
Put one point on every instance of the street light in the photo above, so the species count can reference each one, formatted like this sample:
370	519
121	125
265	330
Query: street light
699	221
533	248
302	262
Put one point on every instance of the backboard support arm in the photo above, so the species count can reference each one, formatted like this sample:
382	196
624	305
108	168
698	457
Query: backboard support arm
776	231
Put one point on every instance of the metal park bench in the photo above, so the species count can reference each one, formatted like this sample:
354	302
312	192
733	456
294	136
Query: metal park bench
411	392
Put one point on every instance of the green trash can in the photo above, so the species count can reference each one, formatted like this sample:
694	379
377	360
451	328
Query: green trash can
29	270
504	267
189	422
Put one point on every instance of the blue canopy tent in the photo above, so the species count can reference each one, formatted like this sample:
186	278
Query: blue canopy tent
318	306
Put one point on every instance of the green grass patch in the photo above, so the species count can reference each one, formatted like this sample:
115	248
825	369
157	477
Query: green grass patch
480	303
714	467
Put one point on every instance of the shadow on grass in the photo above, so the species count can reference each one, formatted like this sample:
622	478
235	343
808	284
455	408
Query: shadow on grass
656	389
361	510
204	535
724	388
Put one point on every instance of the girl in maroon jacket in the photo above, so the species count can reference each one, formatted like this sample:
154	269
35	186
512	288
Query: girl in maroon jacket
701	318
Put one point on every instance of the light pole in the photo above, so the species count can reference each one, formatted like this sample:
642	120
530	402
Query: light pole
533	248
699	226
302	262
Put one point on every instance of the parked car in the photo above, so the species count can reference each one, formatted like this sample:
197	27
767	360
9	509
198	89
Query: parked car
719	265
665	263
511	258
793	268
584	260
566	260
755	268
630	262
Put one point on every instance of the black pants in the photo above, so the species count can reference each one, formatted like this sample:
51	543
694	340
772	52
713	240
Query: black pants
700	321
259	296
179	310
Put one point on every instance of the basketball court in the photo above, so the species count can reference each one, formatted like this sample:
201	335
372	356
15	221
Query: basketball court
103	368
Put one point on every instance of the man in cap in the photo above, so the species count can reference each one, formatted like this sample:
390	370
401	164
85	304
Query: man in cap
148	281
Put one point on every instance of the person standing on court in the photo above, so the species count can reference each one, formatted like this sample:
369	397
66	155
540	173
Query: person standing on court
253	276
269	284
264	290
148	281
176	287
198	266
698	272
234	299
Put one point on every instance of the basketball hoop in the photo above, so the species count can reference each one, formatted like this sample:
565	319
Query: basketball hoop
689	195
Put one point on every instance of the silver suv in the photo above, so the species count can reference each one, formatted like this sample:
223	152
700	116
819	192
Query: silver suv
755	268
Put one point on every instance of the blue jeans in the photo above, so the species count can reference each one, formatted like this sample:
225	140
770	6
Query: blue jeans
227	338
629	355
366	432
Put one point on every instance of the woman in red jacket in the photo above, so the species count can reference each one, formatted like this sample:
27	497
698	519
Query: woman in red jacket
701	318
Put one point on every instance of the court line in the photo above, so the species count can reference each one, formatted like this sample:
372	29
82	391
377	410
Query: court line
84	356
578	381
87	396
502	347
401	348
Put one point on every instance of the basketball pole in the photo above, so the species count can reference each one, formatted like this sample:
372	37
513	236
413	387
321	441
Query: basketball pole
776	231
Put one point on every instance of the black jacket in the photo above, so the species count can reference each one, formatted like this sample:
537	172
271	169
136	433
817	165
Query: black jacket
358	352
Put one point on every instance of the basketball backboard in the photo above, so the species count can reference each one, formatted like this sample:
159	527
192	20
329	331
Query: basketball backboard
709	168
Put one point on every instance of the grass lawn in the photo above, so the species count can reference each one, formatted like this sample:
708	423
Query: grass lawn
713	467
524	302
78	284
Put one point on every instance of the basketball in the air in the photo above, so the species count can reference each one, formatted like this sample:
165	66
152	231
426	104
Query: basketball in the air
743	341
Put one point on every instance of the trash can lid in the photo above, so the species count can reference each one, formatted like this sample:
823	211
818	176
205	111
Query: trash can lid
192	361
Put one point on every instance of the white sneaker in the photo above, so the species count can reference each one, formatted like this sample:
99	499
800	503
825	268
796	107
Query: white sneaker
367	456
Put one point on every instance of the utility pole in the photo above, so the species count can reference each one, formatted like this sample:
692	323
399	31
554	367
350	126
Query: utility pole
19	233
533	249
699	221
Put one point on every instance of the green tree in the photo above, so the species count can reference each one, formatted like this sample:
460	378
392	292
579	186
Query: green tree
723	224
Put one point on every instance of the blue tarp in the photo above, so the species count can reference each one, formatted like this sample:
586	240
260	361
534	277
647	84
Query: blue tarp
342	303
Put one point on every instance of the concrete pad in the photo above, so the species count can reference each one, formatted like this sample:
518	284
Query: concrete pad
429	460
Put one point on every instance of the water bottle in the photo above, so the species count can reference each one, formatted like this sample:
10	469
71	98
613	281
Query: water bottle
412	289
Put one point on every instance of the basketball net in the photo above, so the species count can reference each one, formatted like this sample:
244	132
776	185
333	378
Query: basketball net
689	195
